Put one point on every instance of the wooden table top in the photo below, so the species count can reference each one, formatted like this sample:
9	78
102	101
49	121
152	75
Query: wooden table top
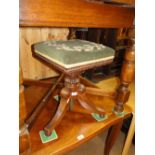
77	13
73	124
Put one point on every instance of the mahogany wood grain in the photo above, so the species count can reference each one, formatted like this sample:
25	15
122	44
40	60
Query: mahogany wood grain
77	13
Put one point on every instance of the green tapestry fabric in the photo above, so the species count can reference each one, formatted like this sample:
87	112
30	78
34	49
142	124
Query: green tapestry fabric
71	53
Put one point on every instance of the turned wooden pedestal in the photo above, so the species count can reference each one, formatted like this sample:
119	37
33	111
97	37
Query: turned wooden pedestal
71	93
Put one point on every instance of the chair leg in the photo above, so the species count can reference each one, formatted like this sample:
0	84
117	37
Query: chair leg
62	108
112	136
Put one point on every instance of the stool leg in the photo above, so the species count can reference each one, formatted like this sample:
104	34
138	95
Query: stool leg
85	103
62	108
100	92
36	111
112	136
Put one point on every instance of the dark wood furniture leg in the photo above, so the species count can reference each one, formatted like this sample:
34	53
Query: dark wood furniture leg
29	121
127	75
74	91
86	104
62	108
112	136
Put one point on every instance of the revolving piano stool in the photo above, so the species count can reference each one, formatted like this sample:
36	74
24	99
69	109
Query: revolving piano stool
71	57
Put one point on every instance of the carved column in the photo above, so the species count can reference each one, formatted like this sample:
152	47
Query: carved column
127	75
